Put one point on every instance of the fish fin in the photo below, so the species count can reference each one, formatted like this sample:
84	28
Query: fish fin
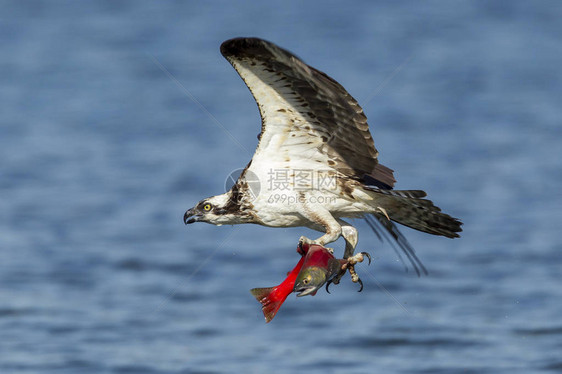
270	306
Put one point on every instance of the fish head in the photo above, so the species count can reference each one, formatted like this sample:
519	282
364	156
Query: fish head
309	280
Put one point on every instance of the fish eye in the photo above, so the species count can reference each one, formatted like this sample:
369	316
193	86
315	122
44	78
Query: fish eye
207	207
307	279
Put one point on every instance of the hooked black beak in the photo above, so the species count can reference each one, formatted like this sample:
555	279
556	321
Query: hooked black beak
190	216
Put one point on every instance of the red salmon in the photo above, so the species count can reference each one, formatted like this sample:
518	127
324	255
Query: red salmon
272	298
319	267
316	266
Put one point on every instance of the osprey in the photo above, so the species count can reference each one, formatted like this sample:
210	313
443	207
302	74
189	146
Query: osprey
316	161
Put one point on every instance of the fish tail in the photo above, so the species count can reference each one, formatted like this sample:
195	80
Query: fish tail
267	298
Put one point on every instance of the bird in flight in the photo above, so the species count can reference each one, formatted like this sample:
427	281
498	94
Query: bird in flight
316	161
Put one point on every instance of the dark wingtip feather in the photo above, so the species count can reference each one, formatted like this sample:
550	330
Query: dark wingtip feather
250	47
239	46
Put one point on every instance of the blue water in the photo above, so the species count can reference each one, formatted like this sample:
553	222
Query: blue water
102	151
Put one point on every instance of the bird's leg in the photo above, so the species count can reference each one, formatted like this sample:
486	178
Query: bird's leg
321	217
351	239
355	259
349	233
334	228
332	234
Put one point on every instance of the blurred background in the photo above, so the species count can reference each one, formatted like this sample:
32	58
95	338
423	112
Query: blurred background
109	132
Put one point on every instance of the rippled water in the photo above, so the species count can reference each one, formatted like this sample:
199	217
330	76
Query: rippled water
102	151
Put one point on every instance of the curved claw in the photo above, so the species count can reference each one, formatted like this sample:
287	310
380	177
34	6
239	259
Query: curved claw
360	284
366	254
328	285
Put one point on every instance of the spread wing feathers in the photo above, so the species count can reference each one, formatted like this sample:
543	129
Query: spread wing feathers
307	117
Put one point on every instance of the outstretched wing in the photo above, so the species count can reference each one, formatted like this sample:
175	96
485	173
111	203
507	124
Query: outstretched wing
308	119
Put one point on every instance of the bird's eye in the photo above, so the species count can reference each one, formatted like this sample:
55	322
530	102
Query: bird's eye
207	207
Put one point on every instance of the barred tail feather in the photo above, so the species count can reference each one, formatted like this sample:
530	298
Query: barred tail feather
408	208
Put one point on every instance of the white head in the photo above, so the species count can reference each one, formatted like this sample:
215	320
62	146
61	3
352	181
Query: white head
218	210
